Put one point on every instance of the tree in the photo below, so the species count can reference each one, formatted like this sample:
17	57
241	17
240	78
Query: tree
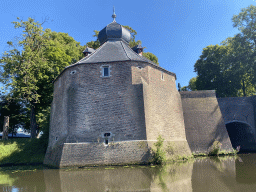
230	68
151	57
245	21
240	61
13	109
225	68
211	72
191	85
31	65
94	44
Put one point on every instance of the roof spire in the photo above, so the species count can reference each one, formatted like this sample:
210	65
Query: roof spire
114	15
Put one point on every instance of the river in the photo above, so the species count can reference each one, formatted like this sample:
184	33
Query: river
202	174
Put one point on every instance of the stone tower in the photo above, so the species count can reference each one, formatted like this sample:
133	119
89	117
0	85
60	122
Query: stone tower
110	107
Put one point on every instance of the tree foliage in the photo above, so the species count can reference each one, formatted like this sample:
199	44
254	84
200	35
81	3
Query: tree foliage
30	66
191	85
15	111
230	68
213	73
94	44
151	57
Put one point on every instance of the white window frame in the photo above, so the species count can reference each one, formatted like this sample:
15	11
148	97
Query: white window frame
102	71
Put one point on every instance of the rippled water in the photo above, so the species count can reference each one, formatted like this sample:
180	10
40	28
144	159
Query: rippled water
208	174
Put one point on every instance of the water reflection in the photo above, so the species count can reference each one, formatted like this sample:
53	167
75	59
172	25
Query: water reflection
208	174
137	178
245	169
22	179
214	174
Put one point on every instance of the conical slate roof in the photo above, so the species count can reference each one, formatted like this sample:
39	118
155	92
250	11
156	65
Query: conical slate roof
113	50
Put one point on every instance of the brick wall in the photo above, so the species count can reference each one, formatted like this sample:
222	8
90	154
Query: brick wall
123	152
163	109
203	121
80	154
85	105
238	109
134	103
239	117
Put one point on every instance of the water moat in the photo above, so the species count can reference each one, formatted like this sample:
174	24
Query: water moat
202	174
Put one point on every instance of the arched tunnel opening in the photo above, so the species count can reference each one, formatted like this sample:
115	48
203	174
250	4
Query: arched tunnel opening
241	136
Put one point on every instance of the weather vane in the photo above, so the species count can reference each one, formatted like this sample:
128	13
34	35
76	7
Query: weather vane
114	15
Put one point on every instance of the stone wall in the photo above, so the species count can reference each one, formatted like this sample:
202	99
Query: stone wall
163	109
238	109
82	154
203	121
239	117
116	153
137	102
86	105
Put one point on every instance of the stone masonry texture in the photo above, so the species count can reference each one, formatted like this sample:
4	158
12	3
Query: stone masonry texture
137	102
203	121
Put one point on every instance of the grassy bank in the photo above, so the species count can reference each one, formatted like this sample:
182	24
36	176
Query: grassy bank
16	151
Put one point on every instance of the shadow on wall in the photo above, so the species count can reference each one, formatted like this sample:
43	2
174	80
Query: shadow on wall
222	136
241	136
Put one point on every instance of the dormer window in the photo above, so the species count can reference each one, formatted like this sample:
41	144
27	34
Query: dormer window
105	71
138	49
88	51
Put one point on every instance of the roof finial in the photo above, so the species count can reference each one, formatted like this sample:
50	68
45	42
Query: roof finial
114	15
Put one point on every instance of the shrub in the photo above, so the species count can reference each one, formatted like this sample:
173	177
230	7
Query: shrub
215	148
159	155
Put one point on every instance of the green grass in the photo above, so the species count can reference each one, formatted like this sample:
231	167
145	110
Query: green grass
22	151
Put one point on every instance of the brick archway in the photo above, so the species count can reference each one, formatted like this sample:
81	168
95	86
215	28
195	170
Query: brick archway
240	134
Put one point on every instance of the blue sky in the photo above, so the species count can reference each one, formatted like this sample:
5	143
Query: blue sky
176	31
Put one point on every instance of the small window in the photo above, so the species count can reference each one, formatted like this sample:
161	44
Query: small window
162	75
59	82
106	141
106	134
56	138
106	71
